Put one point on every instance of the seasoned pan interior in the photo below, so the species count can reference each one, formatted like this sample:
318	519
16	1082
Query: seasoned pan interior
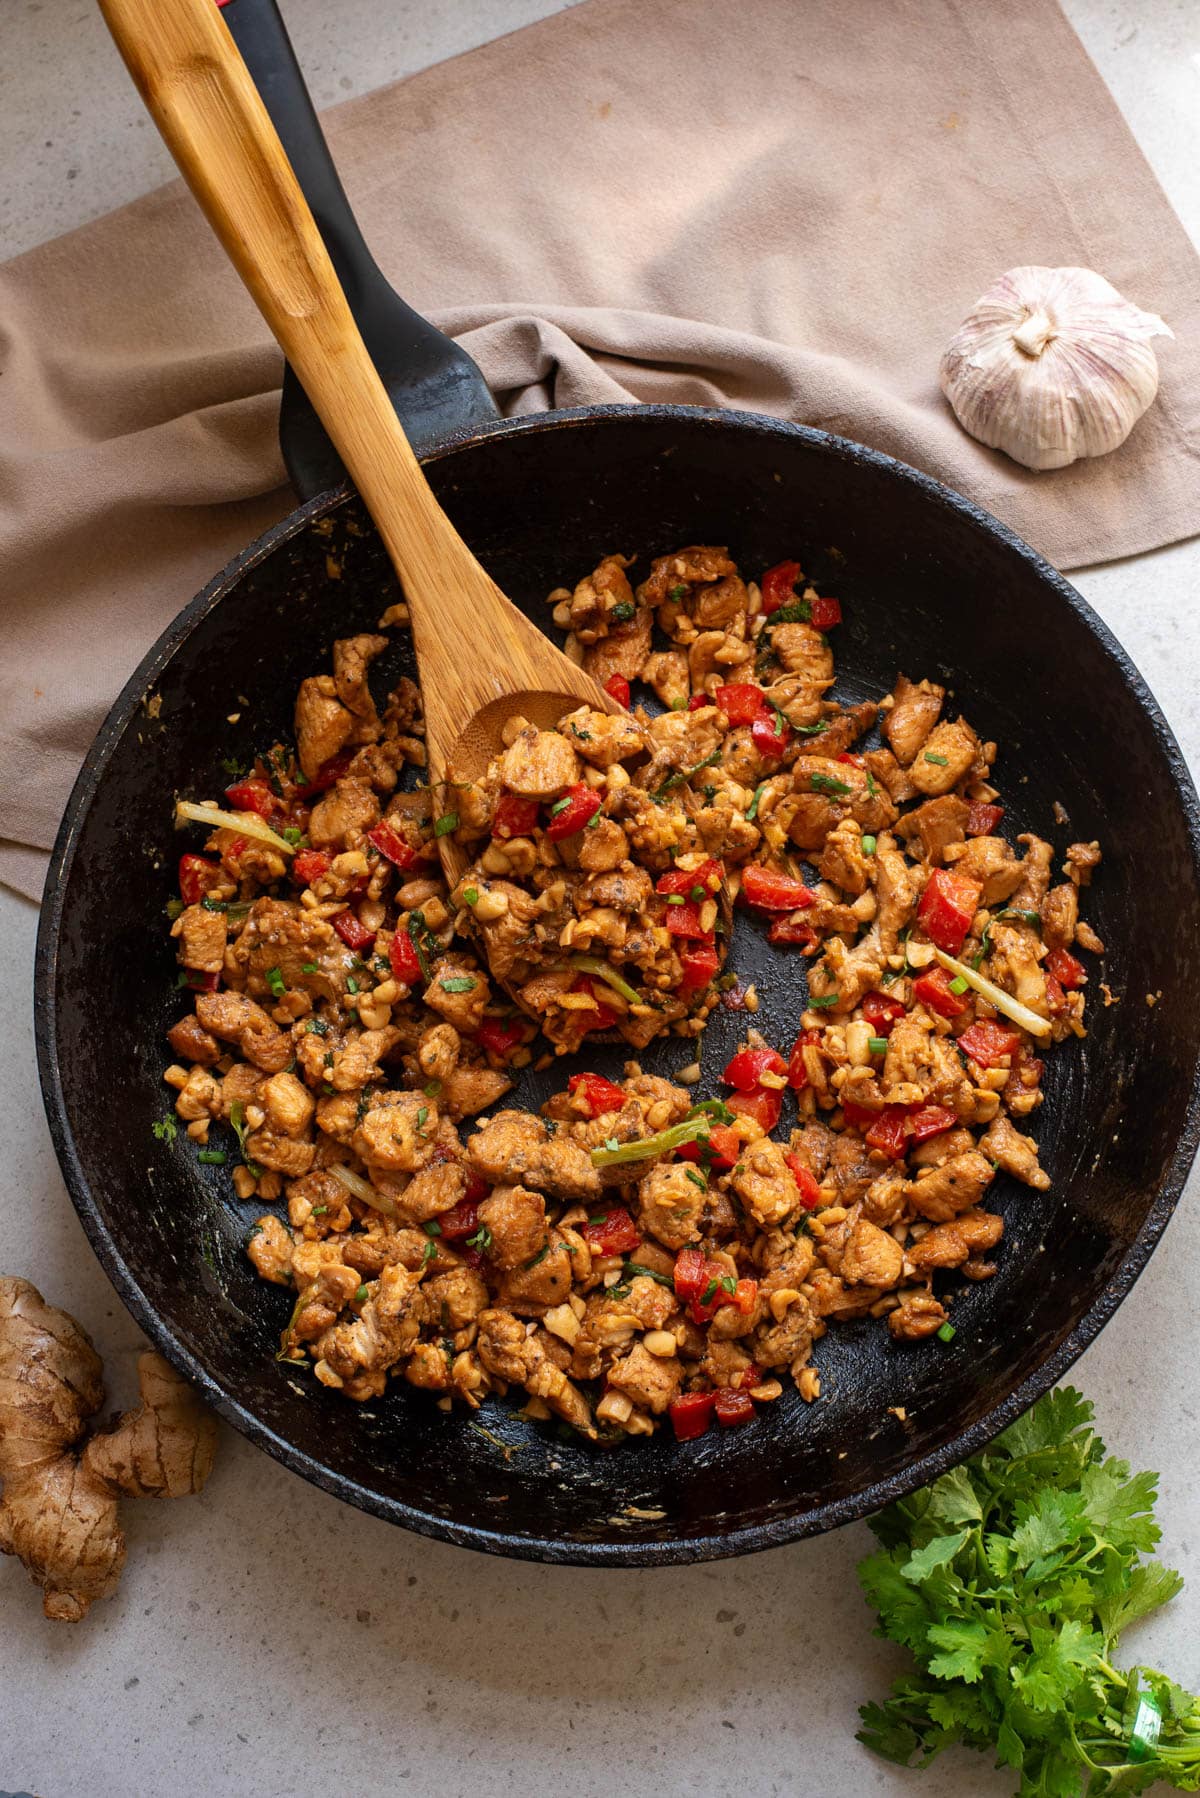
927	586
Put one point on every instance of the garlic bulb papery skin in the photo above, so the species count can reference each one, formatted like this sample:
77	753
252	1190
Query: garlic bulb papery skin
1052	364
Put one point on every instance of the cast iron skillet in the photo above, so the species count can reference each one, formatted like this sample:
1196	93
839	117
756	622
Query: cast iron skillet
929	584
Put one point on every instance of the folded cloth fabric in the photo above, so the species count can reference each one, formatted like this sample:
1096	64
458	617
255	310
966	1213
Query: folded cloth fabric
717	202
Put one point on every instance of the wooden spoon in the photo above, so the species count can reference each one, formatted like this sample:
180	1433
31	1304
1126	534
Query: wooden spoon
481	661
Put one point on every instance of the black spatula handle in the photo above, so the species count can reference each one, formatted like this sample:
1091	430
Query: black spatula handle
436	388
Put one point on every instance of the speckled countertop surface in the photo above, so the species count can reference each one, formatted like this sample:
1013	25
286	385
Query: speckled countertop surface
268	1641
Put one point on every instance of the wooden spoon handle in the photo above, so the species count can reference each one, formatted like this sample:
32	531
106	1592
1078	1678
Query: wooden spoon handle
199	92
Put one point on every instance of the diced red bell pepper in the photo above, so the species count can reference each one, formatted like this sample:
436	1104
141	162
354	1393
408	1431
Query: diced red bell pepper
733	1407
1066	968
698	701
309	865
889	1132
252	796
603	1016
1056	999
598	1094
717	1288
406	963
698	968
745	1296
390	844
678	880
690	1275
197	876
826	613
930	1120
947	906
684	920
982	819
617	687
329	773
514	817
882	1012
477	1189
741	702
471	1256
933	989
461	1221
791	930
858	1116
771	735
355	935
746	1069
855	761
989	1043
764	1106
768	890
614	1234
500	1036
797	1070
723	1149
806	1180
778	586
578	804
201	983
691	1414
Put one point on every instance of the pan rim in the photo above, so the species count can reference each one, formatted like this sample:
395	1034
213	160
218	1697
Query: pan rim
748	1538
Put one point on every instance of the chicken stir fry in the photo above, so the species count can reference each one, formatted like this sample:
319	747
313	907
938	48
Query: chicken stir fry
628	1256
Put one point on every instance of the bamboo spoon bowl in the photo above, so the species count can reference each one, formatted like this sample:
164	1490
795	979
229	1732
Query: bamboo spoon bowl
481	661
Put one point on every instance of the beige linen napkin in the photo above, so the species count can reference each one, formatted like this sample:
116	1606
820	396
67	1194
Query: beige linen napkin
717	202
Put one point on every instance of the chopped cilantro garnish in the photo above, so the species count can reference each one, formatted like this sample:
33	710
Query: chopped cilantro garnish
942	761
173	908
317	1027
481	1241
458	983
798	612
825	1000
351	984
635	1271
677	592
752	808
166	1129
681	775
445	824
622	612
829	784
309	967
696	1178
537	1259
560	805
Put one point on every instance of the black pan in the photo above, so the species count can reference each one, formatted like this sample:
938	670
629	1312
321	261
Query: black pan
929	584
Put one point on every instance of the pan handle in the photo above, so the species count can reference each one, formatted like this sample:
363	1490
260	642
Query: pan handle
437	390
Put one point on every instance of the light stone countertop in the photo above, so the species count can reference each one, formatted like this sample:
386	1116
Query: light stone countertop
269	1641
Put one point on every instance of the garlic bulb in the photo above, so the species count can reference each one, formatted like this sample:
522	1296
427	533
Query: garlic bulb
1052	364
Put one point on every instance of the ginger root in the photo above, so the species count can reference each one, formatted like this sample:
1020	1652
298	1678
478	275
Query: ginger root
58	1512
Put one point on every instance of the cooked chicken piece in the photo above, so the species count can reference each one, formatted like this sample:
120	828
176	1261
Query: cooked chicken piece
672	1197
949	1245
509	941
337	1116
909	721
191	1042
852	972
649	1380
352	656
539	765
1017	1154
356	1063
917	1315
991	861
809	819
323	725
940	1193
801	651
1035	874
516	1218
1082	859
288	1103
623	651
649	1302
765	1184
884	1200
870	1257
236	1019
666	671
397	1132
516	1149
788	1342
831	1297
438	1051
433	1189
280	936
601	599
842	860
202	935
945	757
452	1300
342	817
1060	916
942	1147
716	656
270	1248
696	565
469	1090
604	847
460	1004
318	1199
380	1246
841	725
602	738
921	1066
1086	937
541	1282
428	1367
283	1153
506	1351
882	765
360	1353
936	825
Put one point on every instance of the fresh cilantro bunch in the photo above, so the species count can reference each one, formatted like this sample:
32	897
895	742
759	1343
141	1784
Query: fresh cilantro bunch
1010	1580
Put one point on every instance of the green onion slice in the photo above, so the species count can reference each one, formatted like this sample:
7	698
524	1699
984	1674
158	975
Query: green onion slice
595	964
247	824
995	995
651	1146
